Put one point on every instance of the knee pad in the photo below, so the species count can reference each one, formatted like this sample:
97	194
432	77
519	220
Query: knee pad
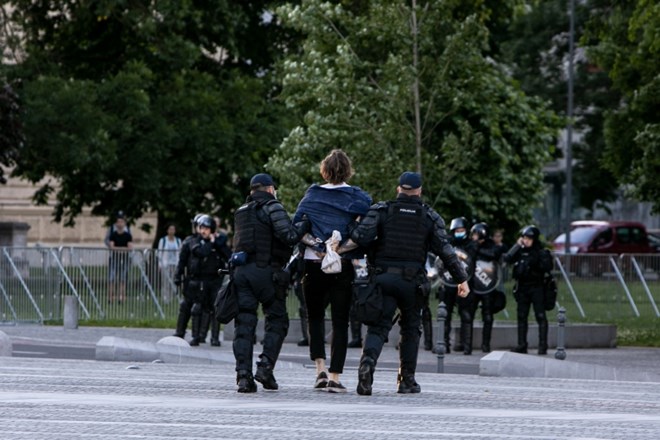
466	316
488	319
541	318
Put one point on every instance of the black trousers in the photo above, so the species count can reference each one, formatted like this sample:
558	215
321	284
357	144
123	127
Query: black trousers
527	296
485	300
255	286
448	295
321	289
402	294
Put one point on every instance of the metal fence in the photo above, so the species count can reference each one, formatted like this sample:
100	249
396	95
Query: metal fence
137	285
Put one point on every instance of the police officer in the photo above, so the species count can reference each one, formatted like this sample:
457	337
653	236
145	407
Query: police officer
263	239
460	240
181	278
400	233
530	263
483	284
207	256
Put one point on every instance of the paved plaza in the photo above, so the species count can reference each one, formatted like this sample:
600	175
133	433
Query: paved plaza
83	399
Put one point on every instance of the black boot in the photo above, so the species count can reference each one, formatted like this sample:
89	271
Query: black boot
264	374
356	334
196	328
543	337
215	332
181	324
486	334
204	329
365	375
522	338
245	382
304	341
427	327
406	383
466	336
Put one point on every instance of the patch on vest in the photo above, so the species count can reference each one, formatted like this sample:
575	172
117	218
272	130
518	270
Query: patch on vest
408	211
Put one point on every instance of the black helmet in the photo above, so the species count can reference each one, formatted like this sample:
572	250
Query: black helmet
481	229
206	221
530	231
457	223
195	220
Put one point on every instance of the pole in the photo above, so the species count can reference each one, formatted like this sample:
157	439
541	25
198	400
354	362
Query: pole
440	344
569	129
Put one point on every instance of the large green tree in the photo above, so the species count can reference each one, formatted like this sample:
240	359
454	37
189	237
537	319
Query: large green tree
11	133
146	106
536	47
624	39
408	85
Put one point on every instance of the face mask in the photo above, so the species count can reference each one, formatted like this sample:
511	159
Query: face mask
459	234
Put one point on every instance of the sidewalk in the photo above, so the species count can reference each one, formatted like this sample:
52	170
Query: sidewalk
637	359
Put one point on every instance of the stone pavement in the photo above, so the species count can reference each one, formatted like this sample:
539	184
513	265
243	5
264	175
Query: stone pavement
64	399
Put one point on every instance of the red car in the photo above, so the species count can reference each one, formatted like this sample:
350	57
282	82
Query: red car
606	237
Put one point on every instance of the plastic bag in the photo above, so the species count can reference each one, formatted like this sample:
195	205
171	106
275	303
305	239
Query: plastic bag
332	261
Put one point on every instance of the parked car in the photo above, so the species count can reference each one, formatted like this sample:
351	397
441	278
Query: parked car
606	237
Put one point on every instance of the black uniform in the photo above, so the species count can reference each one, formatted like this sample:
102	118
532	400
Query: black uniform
401	233
181	278
203	260
263	231
449	293
529	267
221	250
485	251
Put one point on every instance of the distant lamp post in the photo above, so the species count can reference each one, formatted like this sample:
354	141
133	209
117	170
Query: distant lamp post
569	129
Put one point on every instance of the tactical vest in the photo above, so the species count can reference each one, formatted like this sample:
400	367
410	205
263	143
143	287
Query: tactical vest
254	236
403	234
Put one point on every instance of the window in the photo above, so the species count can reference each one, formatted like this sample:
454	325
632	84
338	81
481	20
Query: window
623	234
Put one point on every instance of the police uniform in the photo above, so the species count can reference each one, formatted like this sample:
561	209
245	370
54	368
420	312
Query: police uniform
485	250
400	233
530	265
181	278
201	258
449	292
263	239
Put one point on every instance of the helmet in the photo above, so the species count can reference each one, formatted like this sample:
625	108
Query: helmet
457	223
195	221
206	221
530	231
481	229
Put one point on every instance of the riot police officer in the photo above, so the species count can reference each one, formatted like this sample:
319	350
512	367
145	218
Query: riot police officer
181	278
400	233
207	256
459	239
263	239
530	264
484	282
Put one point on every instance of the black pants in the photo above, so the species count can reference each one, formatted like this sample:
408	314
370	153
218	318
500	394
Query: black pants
448	296
202	291
321	289
401	294
255	286
527	296
485	301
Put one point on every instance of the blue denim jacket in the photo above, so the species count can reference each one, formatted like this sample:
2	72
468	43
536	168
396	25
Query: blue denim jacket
331	209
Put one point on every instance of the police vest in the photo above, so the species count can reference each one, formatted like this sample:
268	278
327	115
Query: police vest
254	235
403	234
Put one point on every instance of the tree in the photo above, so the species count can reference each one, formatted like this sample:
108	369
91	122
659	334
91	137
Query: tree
11	133
145	106
535	47
623	39
366	69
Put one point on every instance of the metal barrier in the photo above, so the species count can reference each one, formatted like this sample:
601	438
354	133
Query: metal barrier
136	285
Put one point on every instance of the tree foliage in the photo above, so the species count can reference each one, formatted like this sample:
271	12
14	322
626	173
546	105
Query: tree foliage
624	38
11	133
484	141
145	106
536	47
